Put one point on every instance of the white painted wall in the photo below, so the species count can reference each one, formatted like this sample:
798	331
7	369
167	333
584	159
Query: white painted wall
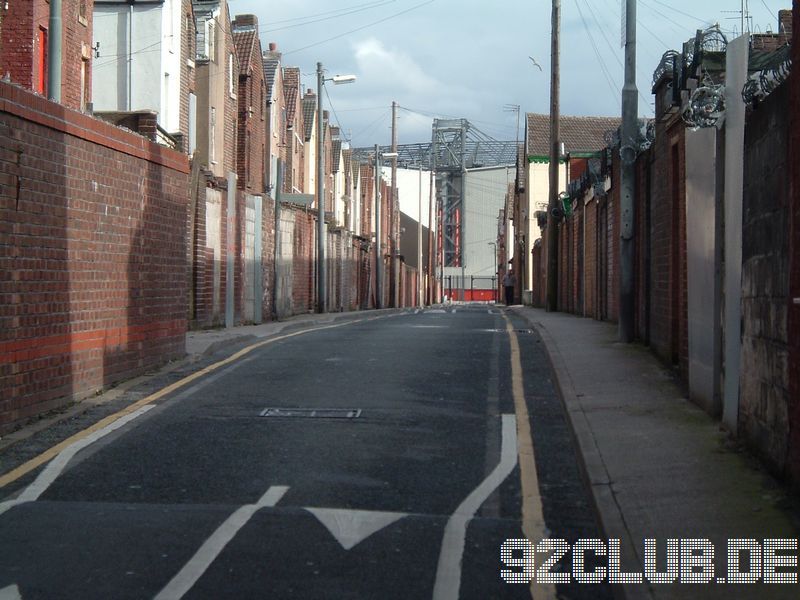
140	58
538	187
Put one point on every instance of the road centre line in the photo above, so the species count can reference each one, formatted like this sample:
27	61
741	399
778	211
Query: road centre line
185	579
51	453
533	525
448	571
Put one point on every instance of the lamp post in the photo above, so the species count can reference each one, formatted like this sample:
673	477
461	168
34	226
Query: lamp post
496	274
321	267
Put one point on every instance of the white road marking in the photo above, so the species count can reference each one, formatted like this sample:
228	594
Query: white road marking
10	593
448	572
54	469
351	527
436	311
213	546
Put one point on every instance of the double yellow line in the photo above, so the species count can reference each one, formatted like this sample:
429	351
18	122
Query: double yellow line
51	453
533	525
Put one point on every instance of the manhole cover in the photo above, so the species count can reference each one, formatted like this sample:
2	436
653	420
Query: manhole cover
312	413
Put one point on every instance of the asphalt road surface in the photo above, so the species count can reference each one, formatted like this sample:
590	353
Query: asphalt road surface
389	457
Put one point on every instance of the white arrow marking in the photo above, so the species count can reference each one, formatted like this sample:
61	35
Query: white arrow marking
350	527
10	593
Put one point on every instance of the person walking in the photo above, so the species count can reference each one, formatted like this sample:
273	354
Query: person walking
509	281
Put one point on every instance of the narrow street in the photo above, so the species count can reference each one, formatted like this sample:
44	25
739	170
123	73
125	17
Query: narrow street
375	458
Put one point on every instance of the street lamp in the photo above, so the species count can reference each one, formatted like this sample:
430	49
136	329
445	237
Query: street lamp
378	252
321	270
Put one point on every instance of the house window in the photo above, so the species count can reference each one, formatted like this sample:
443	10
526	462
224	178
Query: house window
212	142
84	83
192	123
82	13
231	90
165	103
247	153
211	46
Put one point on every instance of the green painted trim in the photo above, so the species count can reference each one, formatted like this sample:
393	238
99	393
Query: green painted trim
545	160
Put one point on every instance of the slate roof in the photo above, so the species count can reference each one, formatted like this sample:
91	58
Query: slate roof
291	88
245	42
309	110
522	172
579	134
271	62
337	154
347	155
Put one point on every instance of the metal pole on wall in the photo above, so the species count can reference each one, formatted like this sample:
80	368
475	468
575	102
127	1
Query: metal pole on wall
321	271
552	225
628	151
54	42
378	250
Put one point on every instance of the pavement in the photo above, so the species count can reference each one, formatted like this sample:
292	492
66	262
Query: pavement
657	465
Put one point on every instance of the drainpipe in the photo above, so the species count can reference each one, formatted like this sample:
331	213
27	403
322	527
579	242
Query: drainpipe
54	44
130	57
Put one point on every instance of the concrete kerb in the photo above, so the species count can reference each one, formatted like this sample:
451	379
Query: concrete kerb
591	464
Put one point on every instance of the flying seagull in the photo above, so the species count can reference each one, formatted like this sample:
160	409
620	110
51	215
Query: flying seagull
535	64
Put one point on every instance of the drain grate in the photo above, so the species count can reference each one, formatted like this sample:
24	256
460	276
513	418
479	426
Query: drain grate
311	413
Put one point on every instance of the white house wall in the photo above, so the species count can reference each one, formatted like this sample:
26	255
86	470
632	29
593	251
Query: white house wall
137	42
539	194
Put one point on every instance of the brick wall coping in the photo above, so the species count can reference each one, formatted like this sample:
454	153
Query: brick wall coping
37	109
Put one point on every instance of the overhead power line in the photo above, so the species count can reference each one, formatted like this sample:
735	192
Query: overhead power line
341	35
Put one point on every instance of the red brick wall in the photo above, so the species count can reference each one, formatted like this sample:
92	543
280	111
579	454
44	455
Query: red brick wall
21	51
793	462
590	265
92	255
76	51
252	136
231	101
268	257
668	294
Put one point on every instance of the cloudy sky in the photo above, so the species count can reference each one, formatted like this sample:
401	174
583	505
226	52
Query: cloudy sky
470	58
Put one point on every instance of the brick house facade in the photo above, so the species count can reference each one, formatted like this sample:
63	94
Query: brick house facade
276	114
24	37
294	149
252	96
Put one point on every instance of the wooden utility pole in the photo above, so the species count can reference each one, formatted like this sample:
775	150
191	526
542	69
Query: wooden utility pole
553	208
